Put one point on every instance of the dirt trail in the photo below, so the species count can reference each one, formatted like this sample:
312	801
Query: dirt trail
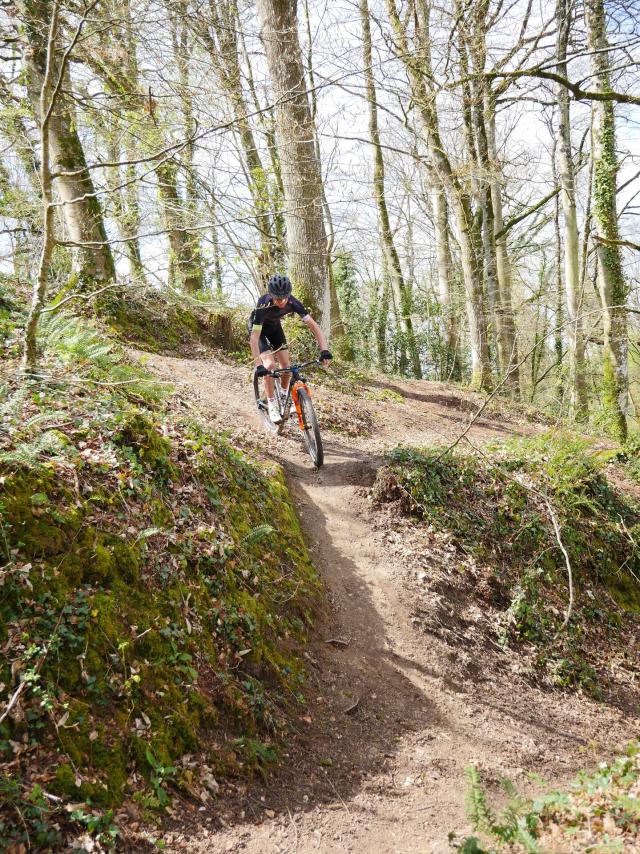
377	761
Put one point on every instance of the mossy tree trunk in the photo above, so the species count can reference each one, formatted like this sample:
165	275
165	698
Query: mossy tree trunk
401	291
611	283
479	115
301	176
190	219
82	213
566	173
115	61
383	301
558	342
338	328
46	104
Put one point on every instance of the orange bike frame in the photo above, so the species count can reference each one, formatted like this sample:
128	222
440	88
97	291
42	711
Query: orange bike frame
296	402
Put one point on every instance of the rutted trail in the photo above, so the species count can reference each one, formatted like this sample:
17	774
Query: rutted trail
393	718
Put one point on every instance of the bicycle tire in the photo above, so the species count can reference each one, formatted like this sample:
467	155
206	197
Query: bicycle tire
311	433
261	404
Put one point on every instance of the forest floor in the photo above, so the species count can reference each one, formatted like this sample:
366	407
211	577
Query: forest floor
405	686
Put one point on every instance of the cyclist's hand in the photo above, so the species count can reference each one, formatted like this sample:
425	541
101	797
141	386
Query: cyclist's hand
261	371
325	357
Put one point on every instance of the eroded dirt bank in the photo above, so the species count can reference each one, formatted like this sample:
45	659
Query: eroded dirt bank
397	709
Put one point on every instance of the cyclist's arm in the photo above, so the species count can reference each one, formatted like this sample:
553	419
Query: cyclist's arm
317	331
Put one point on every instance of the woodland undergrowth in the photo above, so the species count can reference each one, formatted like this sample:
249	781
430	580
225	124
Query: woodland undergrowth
599	812
149	621
497	510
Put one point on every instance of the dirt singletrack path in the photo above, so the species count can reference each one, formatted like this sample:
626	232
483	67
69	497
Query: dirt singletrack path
377	759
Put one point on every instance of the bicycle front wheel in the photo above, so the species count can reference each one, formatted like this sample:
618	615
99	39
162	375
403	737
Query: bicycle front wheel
261	403
311	430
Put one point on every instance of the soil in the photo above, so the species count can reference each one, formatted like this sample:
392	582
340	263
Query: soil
405	687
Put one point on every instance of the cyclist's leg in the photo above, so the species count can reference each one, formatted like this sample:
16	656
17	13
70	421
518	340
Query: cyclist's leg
281	352
268	360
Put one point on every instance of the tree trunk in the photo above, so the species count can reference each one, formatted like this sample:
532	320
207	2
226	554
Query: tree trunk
93	261
611	284
224	53
301	178
338	329
418	66
505	279
402	296
383	298
450	330
559	326
566	174
115	62
46	103
180	35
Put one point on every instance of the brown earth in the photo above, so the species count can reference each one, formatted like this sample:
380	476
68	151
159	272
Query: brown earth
405	687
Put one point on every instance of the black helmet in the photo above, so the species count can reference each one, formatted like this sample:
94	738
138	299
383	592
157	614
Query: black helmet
279	286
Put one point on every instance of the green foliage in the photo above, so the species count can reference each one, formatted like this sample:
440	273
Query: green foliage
146	607
29	818
163	323
600	811
354	345
629	457
478	811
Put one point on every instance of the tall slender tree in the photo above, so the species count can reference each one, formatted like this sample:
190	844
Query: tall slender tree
83	218
611	282
566	174
417	64
301	176
402	294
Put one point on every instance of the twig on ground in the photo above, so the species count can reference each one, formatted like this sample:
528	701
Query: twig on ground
556	528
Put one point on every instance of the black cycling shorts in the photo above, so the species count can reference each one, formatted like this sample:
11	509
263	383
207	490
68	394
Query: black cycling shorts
272	338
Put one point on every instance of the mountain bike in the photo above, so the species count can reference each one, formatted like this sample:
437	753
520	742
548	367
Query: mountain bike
299	394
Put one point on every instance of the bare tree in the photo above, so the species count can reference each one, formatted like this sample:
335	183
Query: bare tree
611	282
68	167
301	177
402	295
419	74
566	174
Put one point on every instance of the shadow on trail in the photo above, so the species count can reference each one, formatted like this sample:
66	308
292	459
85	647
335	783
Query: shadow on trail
359	704
451	400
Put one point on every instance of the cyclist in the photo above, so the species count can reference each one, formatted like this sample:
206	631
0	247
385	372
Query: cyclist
267	340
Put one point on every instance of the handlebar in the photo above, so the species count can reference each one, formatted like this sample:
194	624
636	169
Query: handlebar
293	369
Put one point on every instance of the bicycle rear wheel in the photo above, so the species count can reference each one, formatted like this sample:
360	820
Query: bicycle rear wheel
311	432
261	402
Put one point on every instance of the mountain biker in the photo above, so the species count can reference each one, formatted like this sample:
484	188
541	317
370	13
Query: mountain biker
267	340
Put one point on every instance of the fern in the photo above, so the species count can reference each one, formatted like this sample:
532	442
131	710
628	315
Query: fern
261	532
478	810
44	418
73	340
28	454
510	818
524	837
527	841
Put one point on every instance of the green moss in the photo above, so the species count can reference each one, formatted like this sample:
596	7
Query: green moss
163	641
496	510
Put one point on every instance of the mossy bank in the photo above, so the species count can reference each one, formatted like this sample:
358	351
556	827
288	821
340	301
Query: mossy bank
523	525
154	592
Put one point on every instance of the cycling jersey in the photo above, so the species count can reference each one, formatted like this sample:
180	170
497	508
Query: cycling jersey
266	315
